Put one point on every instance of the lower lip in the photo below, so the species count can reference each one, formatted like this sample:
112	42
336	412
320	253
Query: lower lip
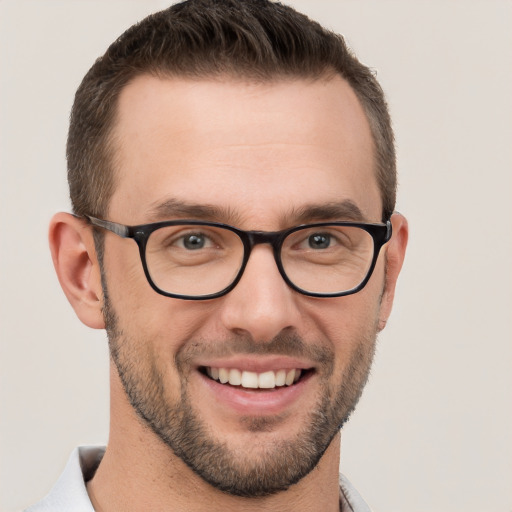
258	402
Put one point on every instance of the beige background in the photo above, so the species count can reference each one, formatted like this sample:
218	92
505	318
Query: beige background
434	429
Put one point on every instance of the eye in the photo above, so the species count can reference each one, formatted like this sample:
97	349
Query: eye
319	241
189	239
313	240
194	241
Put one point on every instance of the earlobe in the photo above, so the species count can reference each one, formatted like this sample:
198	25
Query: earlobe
395	254
74	258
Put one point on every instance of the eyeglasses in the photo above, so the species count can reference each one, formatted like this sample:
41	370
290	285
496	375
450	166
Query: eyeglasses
196	260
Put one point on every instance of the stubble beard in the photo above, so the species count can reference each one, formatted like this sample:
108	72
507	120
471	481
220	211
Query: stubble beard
277	464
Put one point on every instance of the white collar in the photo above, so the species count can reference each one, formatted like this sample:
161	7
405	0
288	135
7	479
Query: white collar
69	494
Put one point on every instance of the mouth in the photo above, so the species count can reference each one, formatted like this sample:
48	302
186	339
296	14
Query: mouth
267	380
251	387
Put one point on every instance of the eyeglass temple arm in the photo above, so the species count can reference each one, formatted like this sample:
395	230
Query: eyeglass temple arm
389	231
118	229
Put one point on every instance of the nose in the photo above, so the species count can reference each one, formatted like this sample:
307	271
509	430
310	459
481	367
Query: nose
261	304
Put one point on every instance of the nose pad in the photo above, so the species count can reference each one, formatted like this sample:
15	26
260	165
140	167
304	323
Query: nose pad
261	304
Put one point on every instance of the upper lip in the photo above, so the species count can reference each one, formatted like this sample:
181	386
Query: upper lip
257	364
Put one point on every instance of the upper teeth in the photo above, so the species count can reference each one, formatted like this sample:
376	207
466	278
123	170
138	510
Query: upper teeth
254	380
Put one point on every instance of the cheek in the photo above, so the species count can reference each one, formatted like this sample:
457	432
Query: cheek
135	303
348	318
123	269
349	324
162	324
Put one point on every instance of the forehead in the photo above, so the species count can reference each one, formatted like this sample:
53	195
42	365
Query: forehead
256	150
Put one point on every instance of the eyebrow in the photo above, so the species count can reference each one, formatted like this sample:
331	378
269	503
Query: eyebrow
345	210
172	208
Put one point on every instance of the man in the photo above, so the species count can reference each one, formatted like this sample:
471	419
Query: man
249	157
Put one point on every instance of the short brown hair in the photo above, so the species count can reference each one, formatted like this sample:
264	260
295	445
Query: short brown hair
258	40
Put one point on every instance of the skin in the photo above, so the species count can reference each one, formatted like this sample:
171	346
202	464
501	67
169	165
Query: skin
260	153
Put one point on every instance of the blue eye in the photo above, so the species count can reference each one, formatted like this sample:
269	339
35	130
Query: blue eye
319	241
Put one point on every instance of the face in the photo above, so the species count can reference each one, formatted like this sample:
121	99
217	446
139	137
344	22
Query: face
259	157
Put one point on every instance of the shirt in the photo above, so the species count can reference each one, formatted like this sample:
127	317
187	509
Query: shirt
69	494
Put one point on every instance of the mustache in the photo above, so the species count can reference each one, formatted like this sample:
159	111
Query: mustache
284	344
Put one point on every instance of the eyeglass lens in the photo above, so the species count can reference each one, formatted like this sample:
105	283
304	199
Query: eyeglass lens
198	260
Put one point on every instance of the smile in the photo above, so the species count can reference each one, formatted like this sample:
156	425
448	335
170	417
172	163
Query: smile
254	380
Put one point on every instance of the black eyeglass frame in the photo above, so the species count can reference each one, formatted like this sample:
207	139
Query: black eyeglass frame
380	233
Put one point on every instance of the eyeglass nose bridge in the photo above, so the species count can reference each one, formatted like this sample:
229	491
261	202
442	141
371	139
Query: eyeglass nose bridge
264	237
273	238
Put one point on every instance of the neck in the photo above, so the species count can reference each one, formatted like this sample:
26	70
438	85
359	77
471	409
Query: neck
139	472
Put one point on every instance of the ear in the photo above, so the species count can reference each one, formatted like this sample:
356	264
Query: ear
395	254
76	264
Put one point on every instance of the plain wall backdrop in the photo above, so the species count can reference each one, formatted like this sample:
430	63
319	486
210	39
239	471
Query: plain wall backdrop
433	431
